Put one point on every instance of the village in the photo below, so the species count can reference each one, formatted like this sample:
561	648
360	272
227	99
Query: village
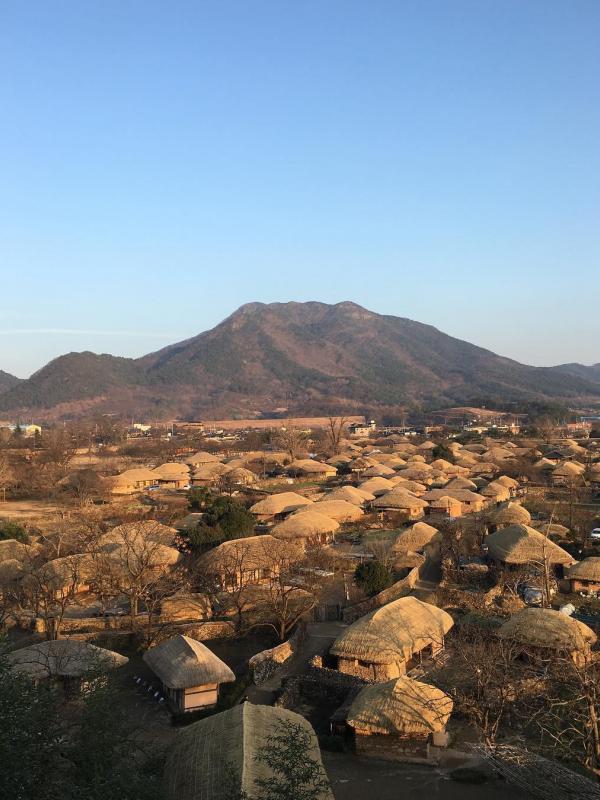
369	605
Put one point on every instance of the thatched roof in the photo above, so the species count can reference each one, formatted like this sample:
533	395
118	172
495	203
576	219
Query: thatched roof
376	486
241	475
282	503
172	470
442	464
339	510
11	570
378	471
210	472
351	494
402	707
143	530
202	458
520	544
570	469
13	549
399	499
510	483
308	466
414	487
393	632
512	514
496	491
305	525
461	483
250	553
63	658
209	756
181	662
415	538
133	476
543	627
586	570
446	503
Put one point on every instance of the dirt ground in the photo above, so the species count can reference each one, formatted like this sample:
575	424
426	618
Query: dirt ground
354	778
33	512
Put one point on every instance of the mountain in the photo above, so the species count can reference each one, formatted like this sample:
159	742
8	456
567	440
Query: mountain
310	357
7	381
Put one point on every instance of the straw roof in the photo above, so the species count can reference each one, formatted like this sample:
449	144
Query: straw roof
172	470
415	538
465	495
411	486
570	469
376	486
250	553
132	476
11	570
202	457
495	491
181	662
340	510
63	658
209	755
305	525
543	627
308	466
441	463
401	707
351	495
461	483
510	483
393	632
240	475
378	471
210	472
520	544
282	503
512	514
13	549
586	570
143	530
399	498
447	503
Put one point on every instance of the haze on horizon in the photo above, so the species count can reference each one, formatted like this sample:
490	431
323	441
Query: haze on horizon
164	164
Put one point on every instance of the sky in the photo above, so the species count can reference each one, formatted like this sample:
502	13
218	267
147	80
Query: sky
162	163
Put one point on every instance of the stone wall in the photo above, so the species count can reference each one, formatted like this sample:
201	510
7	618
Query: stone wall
264	664
393	748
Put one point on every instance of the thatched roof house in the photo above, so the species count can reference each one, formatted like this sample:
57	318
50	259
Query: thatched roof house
520	544
217	757
201	458
402	708
63	658
308	525
351	494
249	560
416	538
400	500
308	466
278	504
380	645
189	671
511	514
133	480
546	629
376	486
585	575
13	549
339	510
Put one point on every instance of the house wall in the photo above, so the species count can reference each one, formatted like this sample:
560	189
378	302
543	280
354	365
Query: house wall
392	748
579	585
371	672
203	696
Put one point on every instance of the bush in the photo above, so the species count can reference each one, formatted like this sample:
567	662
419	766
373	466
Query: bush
372	577
12	530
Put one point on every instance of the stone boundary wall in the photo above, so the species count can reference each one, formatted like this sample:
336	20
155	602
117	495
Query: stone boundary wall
394	592
264	664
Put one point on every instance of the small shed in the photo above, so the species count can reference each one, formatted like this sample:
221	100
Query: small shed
400	720
189	672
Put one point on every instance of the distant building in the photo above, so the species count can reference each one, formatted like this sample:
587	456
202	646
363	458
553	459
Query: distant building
26	429
362	428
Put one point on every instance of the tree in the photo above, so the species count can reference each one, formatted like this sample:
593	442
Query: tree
7	476
292	441
294	774
372	577
9	529
52	748
335	433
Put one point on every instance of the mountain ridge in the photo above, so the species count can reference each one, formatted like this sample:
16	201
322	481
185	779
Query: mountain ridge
309	357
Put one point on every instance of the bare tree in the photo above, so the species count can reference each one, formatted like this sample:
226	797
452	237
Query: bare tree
292	441
336	427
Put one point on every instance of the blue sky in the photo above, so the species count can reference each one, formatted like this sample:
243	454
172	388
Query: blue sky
163	163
